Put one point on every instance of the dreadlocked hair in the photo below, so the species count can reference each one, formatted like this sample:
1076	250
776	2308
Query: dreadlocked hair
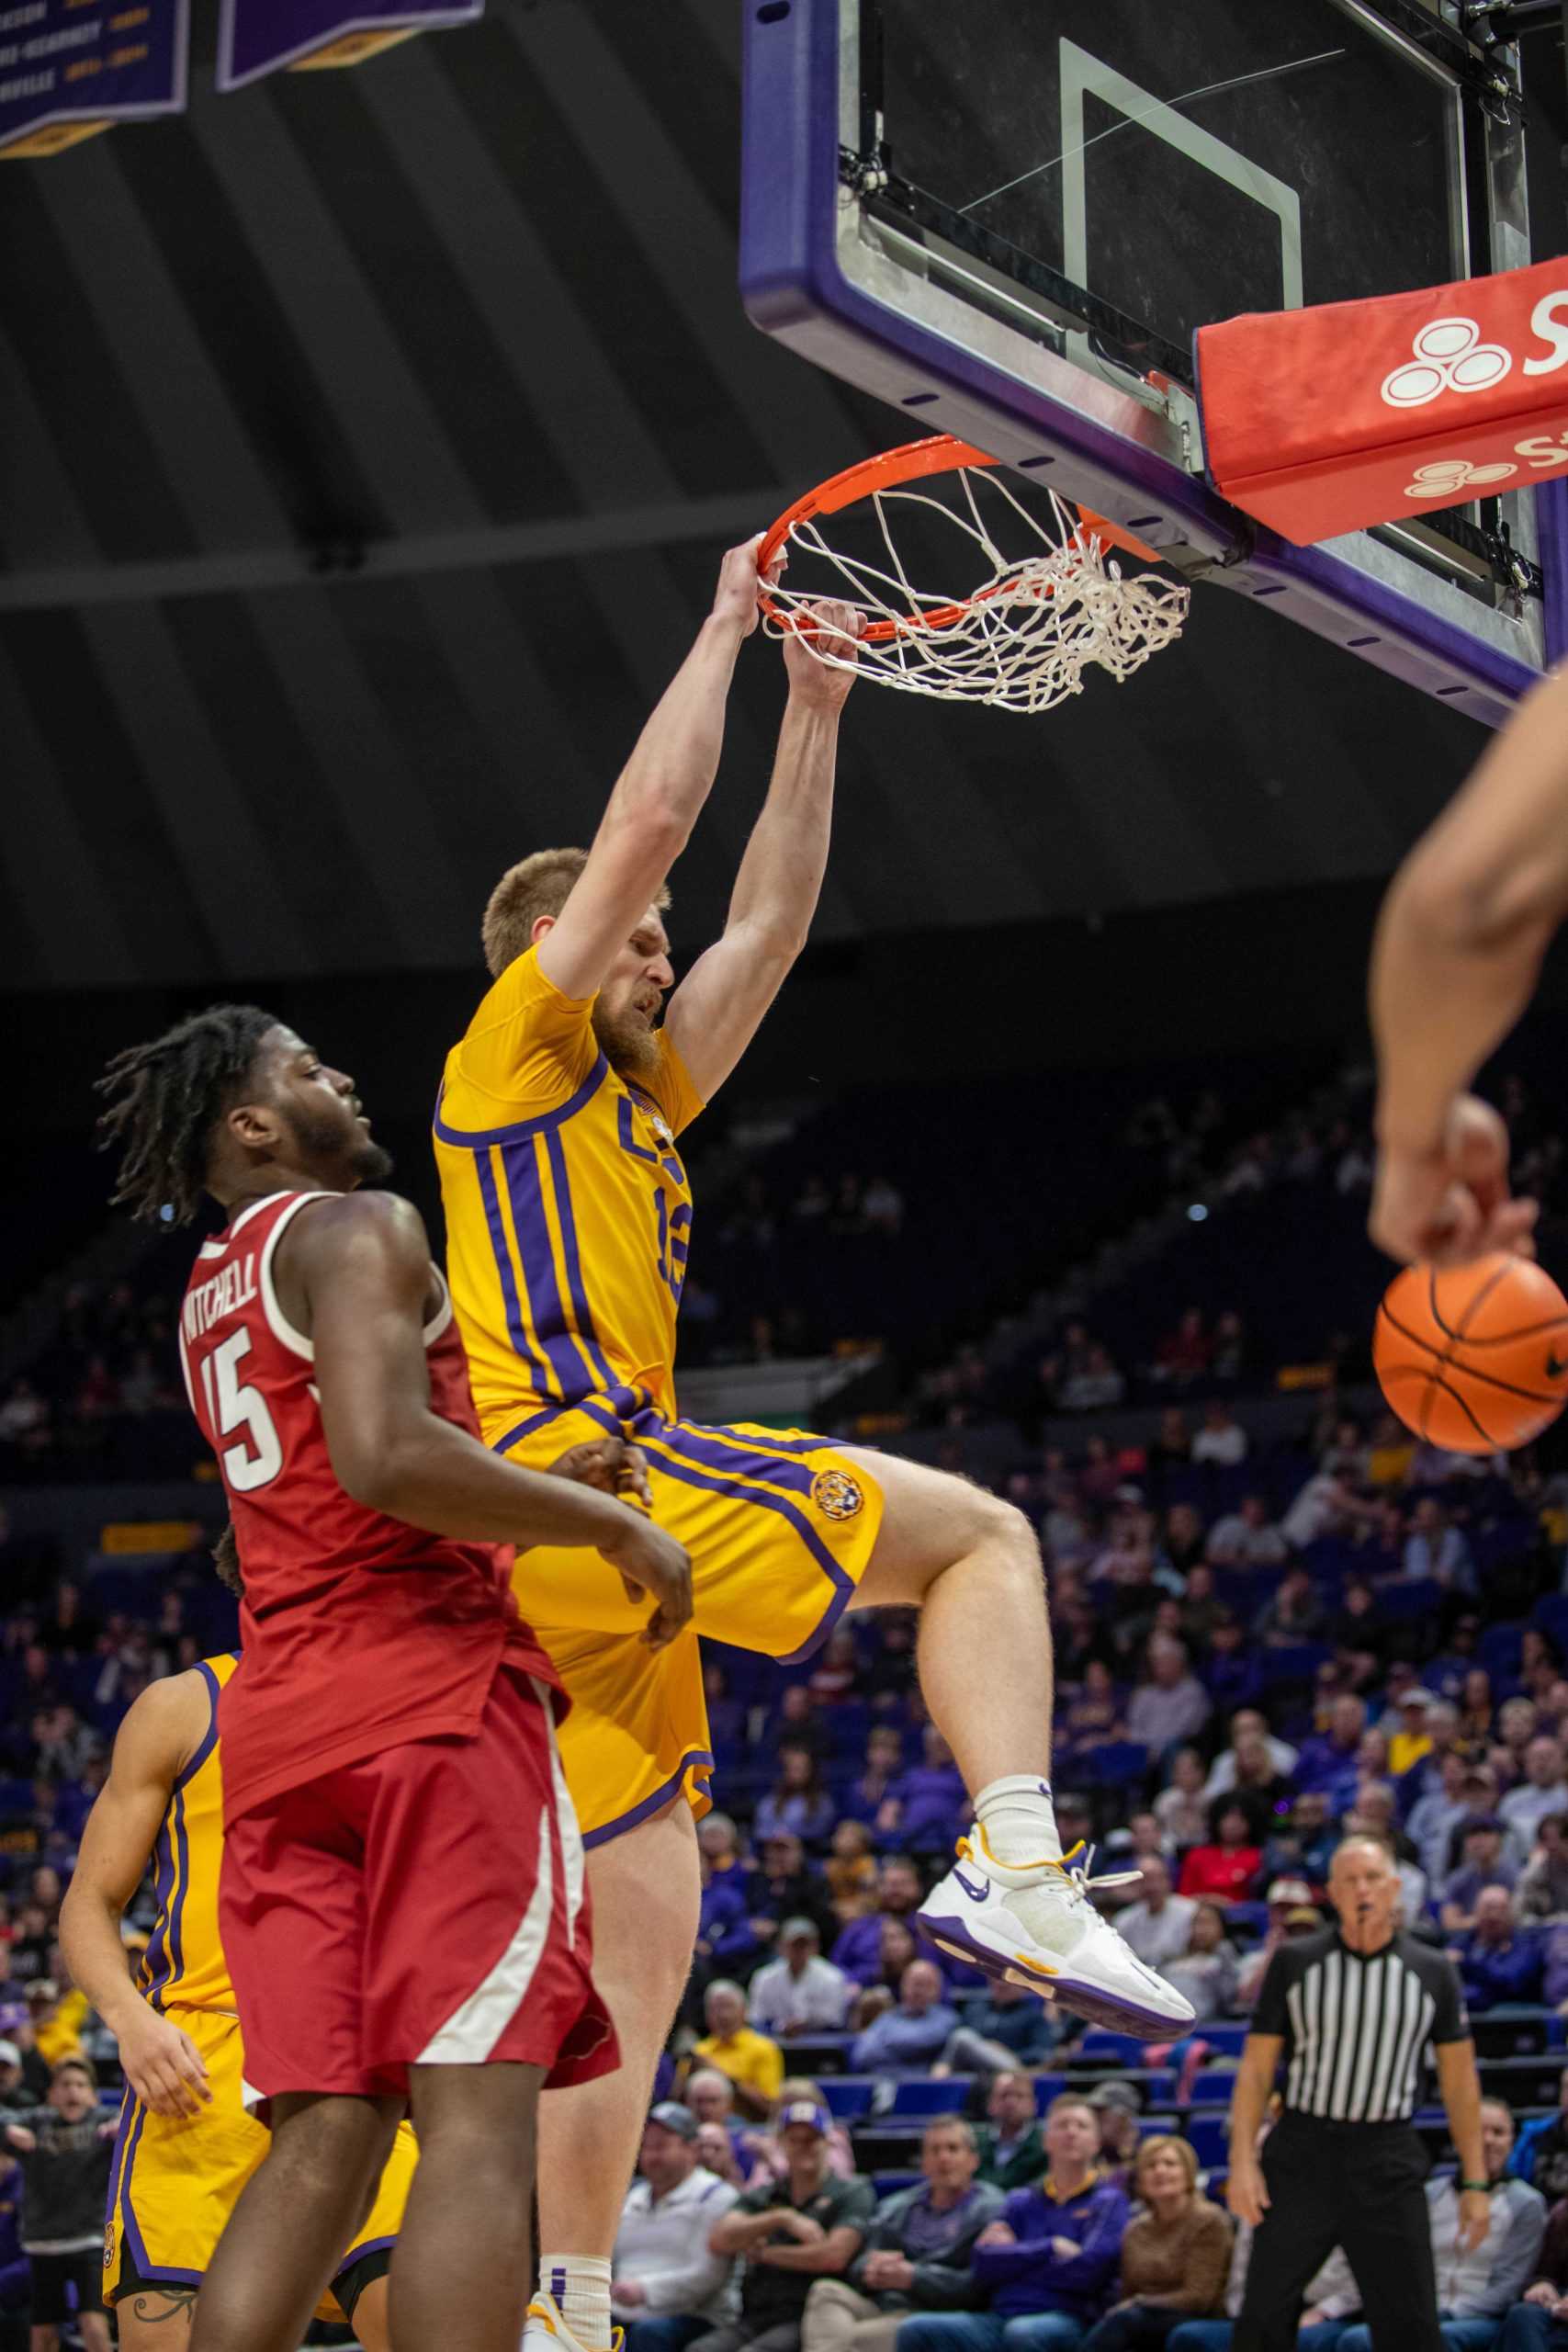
226	1560
163	1100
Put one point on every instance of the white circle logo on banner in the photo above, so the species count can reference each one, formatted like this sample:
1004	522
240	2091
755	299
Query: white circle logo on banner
1446	477
1449	357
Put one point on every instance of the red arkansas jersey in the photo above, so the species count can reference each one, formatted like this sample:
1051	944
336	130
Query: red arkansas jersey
358	1631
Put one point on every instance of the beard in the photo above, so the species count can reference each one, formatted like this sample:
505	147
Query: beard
629	1045
320	1141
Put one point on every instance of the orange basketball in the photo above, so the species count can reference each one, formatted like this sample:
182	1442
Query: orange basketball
1474	1357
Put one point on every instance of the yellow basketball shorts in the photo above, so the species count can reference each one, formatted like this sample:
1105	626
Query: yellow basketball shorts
780	1527
176	2180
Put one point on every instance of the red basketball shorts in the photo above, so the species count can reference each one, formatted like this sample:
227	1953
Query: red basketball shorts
425	1906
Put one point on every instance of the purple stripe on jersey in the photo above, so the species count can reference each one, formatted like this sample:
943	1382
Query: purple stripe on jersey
697	1765
599	1409
210	1737
127	2210
471	1138
154	1969
675	1464
362	2253
517	1329
127	2109
776	1441
556	1152
546	1306
628	1133
558	2285
177	1912
738	1460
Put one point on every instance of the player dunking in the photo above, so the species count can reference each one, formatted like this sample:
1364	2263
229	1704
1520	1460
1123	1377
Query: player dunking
401	1883
186	2146
1466	922
568	1215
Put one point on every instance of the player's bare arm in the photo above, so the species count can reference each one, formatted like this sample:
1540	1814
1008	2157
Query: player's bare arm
718	1009
658	797
160	1734
1458	947
357	1275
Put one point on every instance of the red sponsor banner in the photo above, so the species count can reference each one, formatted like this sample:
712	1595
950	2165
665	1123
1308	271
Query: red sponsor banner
1322	421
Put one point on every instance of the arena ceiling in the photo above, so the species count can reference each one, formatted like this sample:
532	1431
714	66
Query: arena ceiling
367	443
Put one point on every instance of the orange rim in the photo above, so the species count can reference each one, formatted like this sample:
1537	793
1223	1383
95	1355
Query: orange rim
941	453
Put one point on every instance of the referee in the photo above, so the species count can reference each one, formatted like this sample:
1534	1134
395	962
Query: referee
1352	2012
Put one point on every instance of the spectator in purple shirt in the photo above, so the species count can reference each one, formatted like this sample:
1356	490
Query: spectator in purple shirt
1046	2265
927	1808
797	1800
899	1892
915	2033
1495	1961
1328	1758
884	1763
725	1937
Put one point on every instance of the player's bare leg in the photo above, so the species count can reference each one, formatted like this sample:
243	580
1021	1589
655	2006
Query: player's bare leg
463	2261
371	2329
647	1890
972	1566
287	2234
155	2319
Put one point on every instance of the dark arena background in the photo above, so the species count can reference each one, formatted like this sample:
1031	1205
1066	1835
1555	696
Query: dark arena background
369	441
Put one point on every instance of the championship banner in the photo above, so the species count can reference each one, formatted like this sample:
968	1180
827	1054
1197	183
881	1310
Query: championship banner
256	37
69	69
1327	420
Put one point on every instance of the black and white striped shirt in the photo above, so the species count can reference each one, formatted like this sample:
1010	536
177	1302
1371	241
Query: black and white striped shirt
1357	2029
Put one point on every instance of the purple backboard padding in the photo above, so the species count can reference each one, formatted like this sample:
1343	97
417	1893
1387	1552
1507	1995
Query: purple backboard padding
1551	528
792	286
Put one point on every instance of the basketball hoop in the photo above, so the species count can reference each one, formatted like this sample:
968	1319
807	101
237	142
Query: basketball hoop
1048	605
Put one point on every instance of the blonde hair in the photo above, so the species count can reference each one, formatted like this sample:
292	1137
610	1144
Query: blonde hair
539	884
1156	2144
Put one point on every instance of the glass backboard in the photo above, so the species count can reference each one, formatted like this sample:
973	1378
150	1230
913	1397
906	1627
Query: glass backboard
1008	219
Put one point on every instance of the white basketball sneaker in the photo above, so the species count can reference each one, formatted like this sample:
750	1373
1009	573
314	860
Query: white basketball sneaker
1036	1925
546	2331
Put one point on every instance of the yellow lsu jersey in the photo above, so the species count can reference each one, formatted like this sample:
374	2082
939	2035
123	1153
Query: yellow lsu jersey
568	1210
177	2180
184	1966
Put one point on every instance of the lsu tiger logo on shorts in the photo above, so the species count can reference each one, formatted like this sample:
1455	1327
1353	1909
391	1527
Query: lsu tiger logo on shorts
837	1495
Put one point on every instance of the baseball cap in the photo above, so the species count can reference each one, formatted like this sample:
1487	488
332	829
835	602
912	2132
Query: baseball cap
12	2015
1290	1889
673	2116
798	1926
9	2055
805	2110
1418	1696
1121	2096
43	1988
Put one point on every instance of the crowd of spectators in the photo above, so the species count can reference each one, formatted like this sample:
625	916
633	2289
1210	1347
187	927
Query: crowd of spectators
1026	2233
1262	1641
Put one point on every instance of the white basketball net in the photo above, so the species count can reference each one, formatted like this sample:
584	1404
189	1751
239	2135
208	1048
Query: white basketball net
1021	639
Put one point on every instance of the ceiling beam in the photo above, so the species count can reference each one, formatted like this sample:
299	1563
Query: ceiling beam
239	570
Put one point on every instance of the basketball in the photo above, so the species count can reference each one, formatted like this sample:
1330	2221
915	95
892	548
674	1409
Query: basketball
1474	1358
